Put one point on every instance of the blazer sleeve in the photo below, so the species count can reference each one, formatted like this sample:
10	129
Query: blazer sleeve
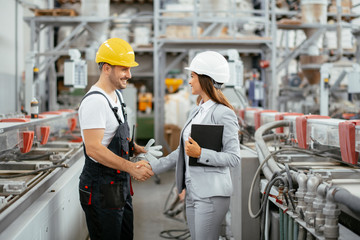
230	154
164	164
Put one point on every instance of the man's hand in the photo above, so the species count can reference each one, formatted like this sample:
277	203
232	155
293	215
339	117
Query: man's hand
138	149
144	163
192	148
141	171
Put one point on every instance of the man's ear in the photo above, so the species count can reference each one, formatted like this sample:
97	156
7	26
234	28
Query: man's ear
106	68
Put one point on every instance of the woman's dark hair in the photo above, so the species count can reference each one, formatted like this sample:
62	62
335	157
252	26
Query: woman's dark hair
214	94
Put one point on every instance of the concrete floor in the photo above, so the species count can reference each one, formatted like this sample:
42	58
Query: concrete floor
148	202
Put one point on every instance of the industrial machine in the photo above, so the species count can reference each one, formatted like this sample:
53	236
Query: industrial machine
299	177
40	163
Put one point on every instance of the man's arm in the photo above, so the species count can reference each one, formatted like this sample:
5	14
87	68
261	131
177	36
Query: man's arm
97	151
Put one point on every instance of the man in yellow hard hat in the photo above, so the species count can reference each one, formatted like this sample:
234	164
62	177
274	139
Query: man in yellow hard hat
105	184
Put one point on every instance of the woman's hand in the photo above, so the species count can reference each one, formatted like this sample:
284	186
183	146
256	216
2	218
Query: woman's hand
192	149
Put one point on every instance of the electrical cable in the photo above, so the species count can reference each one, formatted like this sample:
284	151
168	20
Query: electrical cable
286	198
266	197
289	177
172	211
33	172
9	154
291	188
266	194
252	215
168	234
266	229
292	201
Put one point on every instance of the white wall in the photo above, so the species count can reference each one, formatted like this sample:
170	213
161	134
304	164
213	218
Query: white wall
10	63
14	46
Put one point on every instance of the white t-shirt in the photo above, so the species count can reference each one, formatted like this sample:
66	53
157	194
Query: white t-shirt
95	112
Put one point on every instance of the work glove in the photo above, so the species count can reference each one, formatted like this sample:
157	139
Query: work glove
152	152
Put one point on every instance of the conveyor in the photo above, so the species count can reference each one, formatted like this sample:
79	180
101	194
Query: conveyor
40	163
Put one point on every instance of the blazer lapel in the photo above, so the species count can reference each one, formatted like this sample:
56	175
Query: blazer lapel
209	116
191	116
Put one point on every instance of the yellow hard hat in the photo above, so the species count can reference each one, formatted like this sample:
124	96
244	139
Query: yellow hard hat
116	51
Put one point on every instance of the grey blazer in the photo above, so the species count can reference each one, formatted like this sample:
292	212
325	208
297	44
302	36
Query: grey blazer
207	181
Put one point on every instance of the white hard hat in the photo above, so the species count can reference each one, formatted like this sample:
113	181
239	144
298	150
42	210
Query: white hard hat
212	64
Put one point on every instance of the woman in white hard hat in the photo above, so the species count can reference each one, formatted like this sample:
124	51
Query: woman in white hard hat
208	185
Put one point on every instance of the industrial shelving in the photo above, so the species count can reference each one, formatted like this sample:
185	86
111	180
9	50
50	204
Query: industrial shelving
161	46
263	45
45	61
340	21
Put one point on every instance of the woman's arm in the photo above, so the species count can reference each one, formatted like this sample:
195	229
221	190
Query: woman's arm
165	163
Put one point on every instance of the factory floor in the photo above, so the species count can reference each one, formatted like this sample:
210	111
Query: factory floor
149	201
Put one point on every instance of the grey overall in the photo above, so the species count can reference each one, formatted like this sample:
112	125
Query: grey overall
105	193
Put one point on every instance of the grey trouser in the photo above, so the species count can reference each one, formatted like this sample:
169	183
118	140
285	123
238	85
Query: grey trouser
205	215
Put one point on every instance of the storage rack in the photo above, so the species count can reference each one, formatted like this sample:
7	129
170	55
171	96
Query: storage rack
265	46
39	24
341	21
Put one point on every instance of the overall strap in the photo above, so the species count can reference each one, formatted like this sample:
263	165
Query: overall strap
123	105
114	109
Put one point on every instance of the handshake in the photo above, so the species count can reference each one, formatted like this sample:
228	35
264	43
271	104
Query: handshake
144	170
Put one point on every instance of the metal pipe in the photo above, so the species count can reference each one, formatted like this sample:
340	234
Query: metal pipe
331	212
312	185
281	214
296	231
290	228
339	50
17	104
319	204
263	150
302	233
286	226
300	193
338	29
309	236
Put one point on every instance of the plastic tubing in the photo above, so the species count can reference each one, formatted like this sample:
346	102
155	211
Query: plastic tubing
343	196
263	150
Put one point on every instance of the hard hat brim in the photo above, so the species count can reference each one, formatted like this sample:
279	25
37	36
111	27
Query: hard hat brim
193	70
116	63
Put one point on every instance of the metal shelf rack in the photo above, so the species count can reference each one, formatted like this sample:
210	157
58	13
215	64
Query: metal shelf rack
46	64
264	46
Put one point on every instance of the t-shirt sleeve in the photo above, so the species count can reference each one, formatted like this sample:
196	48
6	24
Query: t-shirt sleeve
92	112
